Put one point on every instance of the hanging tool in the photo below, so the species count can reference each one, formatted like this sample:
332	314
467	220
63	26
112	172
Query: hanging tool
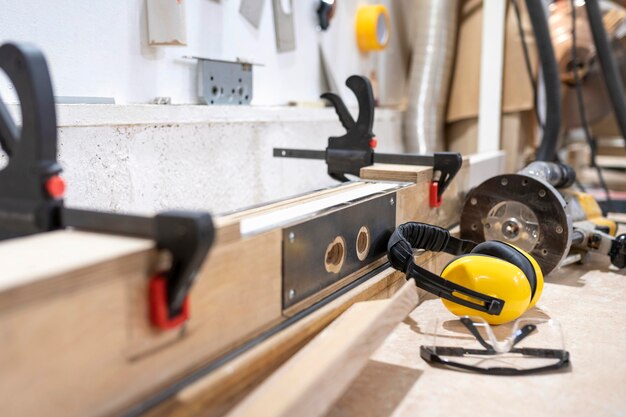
31	191
349	153
325	12
535	211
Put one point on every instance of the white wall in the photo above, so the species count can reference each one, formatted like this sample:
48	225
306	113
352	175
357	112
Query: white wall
140	158
99	48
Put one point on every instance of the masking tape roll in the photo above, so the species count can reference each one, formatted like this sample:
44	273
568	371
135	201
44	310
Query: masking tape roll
372	27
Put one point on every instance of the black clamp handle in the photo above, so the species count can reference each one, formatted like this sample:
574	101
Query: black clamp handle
325	11
28	197
349	153
31	191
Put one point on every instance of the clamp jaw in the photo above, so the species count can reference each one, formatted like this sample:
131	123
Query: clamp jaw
31	191
349	153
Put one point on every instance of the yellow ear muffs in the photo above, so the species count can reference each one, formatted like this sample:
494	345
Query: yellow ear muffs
498	270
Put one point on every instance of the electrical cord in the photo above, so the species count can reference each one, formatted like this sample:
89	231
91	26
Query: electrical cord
529	70
591	141
551	80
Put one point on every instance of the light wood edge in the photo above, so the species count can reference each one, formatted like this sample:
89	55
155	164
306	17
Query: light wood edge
389	172
314	378
238	216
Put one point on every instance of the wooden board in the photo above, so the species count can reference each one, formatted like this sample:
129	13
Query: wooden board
90	338
309	382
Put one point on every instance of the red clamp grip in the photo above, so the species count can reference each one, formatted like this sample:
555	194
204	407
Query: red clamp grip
435	200
55	186
159	312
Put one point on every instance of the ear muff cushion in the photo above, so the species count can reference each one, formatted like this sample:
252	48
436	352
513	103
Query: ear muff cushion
508	253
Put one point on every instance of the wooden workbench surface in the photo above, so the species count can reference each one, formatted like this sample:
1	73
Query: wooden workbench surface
590	303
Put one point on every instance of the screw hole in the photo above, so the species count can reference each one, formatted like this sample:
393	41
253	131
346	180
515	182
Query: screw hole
335	255
362	243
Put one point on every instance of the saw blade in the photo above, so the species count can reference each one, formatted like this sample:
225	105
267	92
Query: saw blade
522	211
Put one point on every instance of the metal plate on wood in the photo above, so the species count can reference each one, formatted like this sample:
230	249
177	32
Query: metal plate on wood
321	251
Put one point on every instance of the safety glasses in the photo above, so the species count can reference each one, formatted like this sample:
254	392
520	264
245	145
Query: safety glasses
523	347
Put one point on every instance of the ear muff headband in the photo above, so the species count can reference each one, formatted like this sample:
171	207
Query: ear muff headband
412	235
510	254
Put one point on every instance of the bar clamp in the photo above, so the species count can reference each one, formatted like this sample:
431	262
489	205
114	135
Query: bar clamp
349	153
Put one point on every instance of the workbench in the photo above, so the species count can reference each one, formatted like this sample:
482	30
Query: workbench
588	300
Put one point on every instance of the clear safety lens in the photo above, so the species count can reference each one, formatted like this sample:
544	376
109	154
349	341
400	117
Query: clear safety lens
524	346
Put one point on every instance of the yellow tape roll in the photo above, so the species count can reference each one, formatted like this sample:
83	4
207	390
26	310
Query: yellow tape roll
372	27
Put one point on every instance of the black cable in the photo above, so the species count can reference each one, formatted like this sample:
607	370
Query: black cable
529	69
551	80
583	113
612	78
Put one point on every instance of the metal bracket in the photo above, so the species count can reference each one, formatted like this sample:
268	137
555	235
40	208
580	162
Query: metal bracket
321	251
31	190
349	153
283	25
225	82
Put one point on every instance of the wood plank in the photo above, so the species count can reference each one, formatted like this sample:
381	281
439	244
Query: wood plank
53	262
308	383
390	172
92	340
290	202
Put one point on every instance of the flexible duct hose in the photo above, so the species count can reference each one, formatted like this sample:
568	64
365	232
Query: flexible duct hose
612	79
435	23
552	81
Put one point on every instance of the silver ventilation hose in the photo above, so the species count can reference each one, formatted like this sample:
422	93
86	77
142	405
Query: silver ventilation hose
435	23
